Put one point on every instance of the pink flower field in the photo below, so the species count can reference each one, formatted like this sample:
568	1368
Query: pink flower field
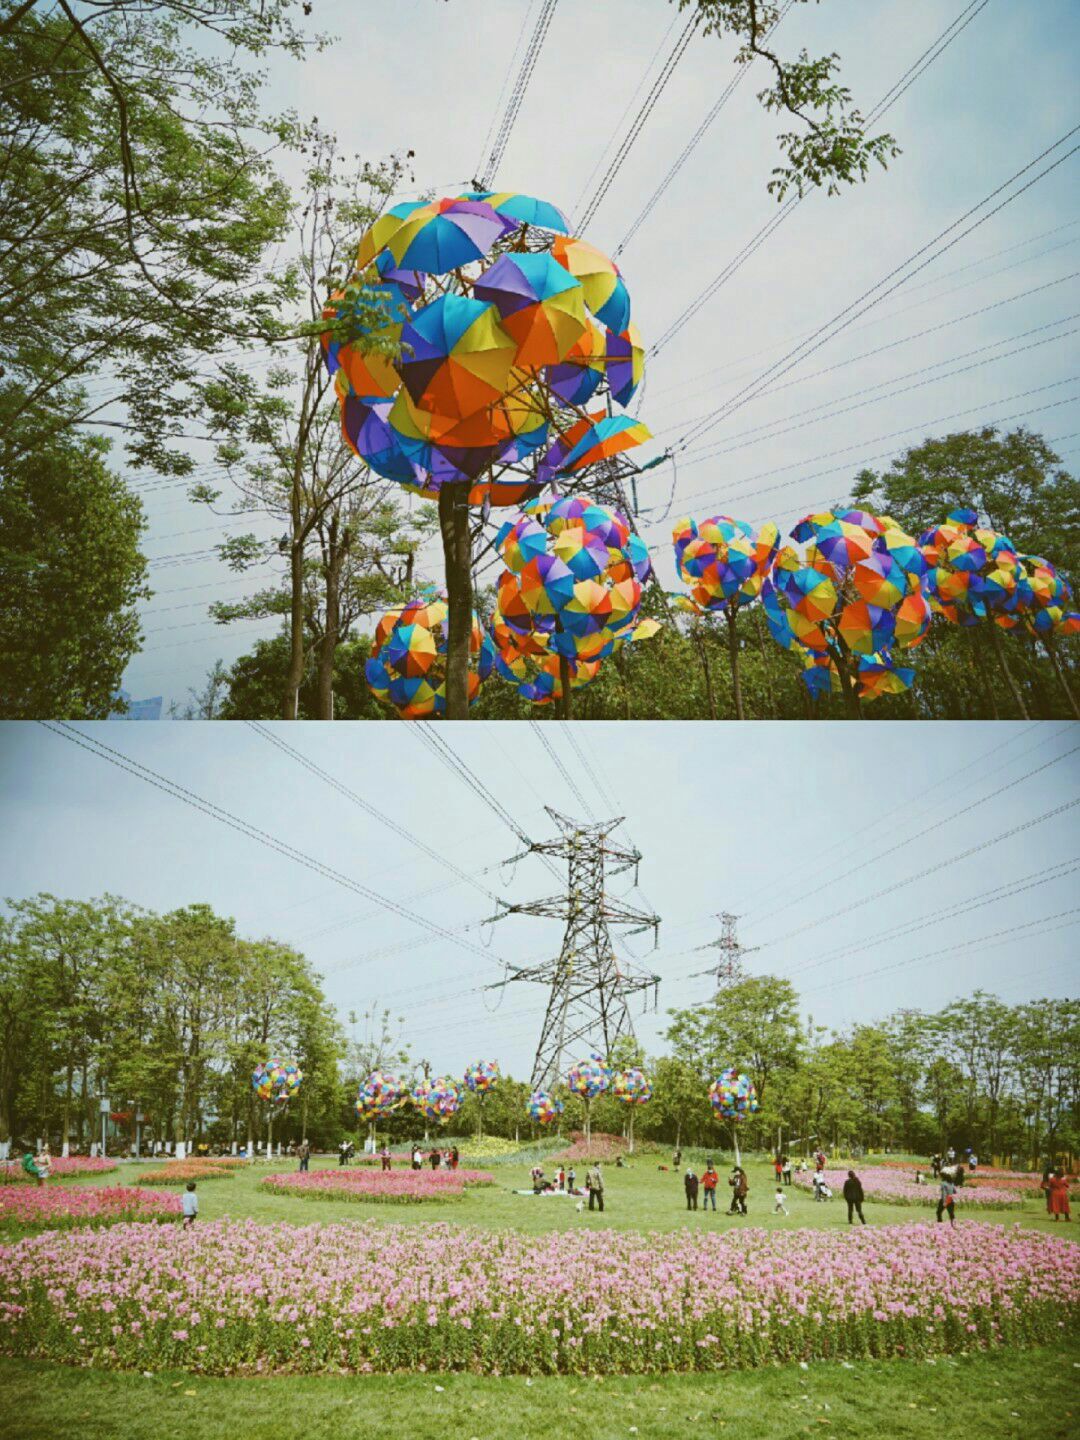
60	1168
396	1187
60	1206
242	1297
882	1183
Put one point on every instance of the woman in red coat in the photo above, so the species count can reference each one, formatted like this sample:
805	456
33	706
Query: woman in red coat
1059	1195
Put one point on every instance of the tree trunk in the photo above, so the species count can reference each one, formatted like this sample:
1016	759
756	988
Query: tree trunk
290	703
847	682
1055	660
454	525
630	1132
566	704
65	1131
999	651
328	650
706	669
733	658
766	667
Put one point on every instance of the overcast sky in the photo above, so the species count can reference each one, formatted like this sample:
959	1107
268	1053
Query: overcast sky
427	76
792	827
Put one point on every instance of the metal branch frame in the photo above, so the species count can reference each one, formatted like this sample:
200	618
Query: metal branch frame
590	987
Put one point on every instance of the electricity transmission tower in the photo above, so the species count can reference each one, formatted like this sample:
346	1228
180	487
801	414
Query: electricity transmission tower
728	969
590	987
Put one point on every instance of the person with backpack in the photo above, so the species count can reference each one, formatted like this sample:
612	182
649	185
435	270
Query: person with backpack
853	1194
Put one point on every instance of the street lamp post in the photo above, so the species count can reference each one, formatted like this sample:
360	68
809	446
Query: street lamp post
139	1117
104	1122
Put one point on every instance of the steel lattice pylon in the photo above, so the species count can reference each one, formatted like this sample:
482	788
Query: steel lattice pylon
728	970
588	1006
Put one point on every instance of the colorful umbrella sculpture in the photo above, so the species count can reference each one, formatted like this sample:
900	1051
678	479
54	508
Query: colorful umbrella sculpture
276	1080
588	1078
379	1094
733	1095
407	668
437	1099
855	590
482	1076
972	573
631	1086
543	1107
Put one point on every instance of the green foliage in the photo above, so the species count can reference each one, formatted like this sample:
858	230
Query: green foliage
251	687
71	573
832	148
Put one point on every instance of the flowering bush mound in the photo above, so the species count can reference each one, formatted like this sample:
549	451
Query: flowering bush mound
602	1147
241	1297
881	1183
11	1170
179	1172
56	1207
396	1187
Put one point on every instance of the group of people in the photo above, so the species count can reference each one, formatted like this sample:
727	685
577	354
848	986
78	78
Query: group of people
707	1184
564	1182
437	1159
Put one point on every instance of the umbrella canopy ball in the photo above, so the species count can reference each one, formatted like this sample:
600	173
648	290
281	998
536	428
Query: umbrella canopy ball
407	666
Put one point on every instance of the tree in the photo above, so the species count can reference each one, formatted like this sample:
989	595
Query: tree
252	685
73	573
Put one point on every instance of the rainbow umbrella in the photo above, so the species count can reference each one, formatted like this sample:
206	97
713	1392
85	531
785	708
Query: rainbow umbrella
625	363
366	427
456	357
383	230
446	234
579	375
588	442
525	209
605	294
542	307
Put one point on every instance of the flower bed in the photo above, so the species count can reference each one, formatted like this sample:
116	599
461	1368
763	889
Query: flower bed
12	1171
56	1207
179	1172
396	1187
231	1298
881	1183
601	1147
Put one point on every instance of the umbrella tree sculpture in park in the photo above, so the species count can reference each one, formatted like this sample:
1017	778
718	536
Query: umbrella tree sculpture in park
854	591
437	1098
481	1078
1044	601
571	595
587	1079
973	578
275	1082
724	564
631	1087
543	1107
378	1095
407	666
733	1097
470	338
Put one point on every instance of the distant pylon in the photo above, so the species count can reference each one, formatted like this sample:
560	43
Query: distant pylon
589	986
728	969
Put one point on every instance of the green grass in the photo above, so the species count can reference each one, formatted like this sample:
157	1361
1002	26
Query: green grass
1004	1396
640	1197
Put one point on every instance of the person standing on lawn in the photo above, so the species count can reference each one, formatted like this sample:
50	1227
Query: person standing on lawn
305	1154
740	1188
690	1185
1058	1195
385	1158
709	1181
778	1202
594	1184
853	1194
189	1205
947	1200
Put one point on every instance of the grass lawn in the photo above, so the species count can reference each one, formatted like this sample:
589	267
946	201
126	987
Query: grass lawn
639	1197
1006	1396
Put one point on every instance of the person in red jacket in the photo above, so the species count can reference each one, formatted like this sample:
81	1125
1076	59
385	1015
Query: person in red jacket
1059	1195
709	1182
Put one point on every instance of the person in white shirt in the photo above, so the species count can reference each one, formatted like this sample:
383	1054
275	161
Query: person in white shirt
190	1204
779	1202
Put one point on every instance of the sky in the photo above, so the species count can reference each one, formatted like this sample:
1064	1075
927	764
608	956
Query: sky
428	76
877	866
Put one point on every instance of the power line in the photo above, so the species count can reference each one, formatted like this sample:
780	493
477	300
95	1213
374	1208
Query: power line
638	123
517	94
252	832
694	141
852	311
538	731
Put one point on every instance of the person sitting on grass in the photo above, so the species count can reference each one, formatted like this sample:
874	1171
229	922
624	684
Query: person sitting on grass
189	1205
709	1181
853	1194
690	1185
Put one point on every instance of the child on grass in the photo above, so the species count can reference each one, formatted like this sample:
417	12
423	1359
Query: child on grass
189	1205
778	1202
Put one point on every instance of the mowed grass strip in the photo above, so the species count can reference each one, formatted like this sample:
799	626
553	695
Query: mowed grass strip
1004	1395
